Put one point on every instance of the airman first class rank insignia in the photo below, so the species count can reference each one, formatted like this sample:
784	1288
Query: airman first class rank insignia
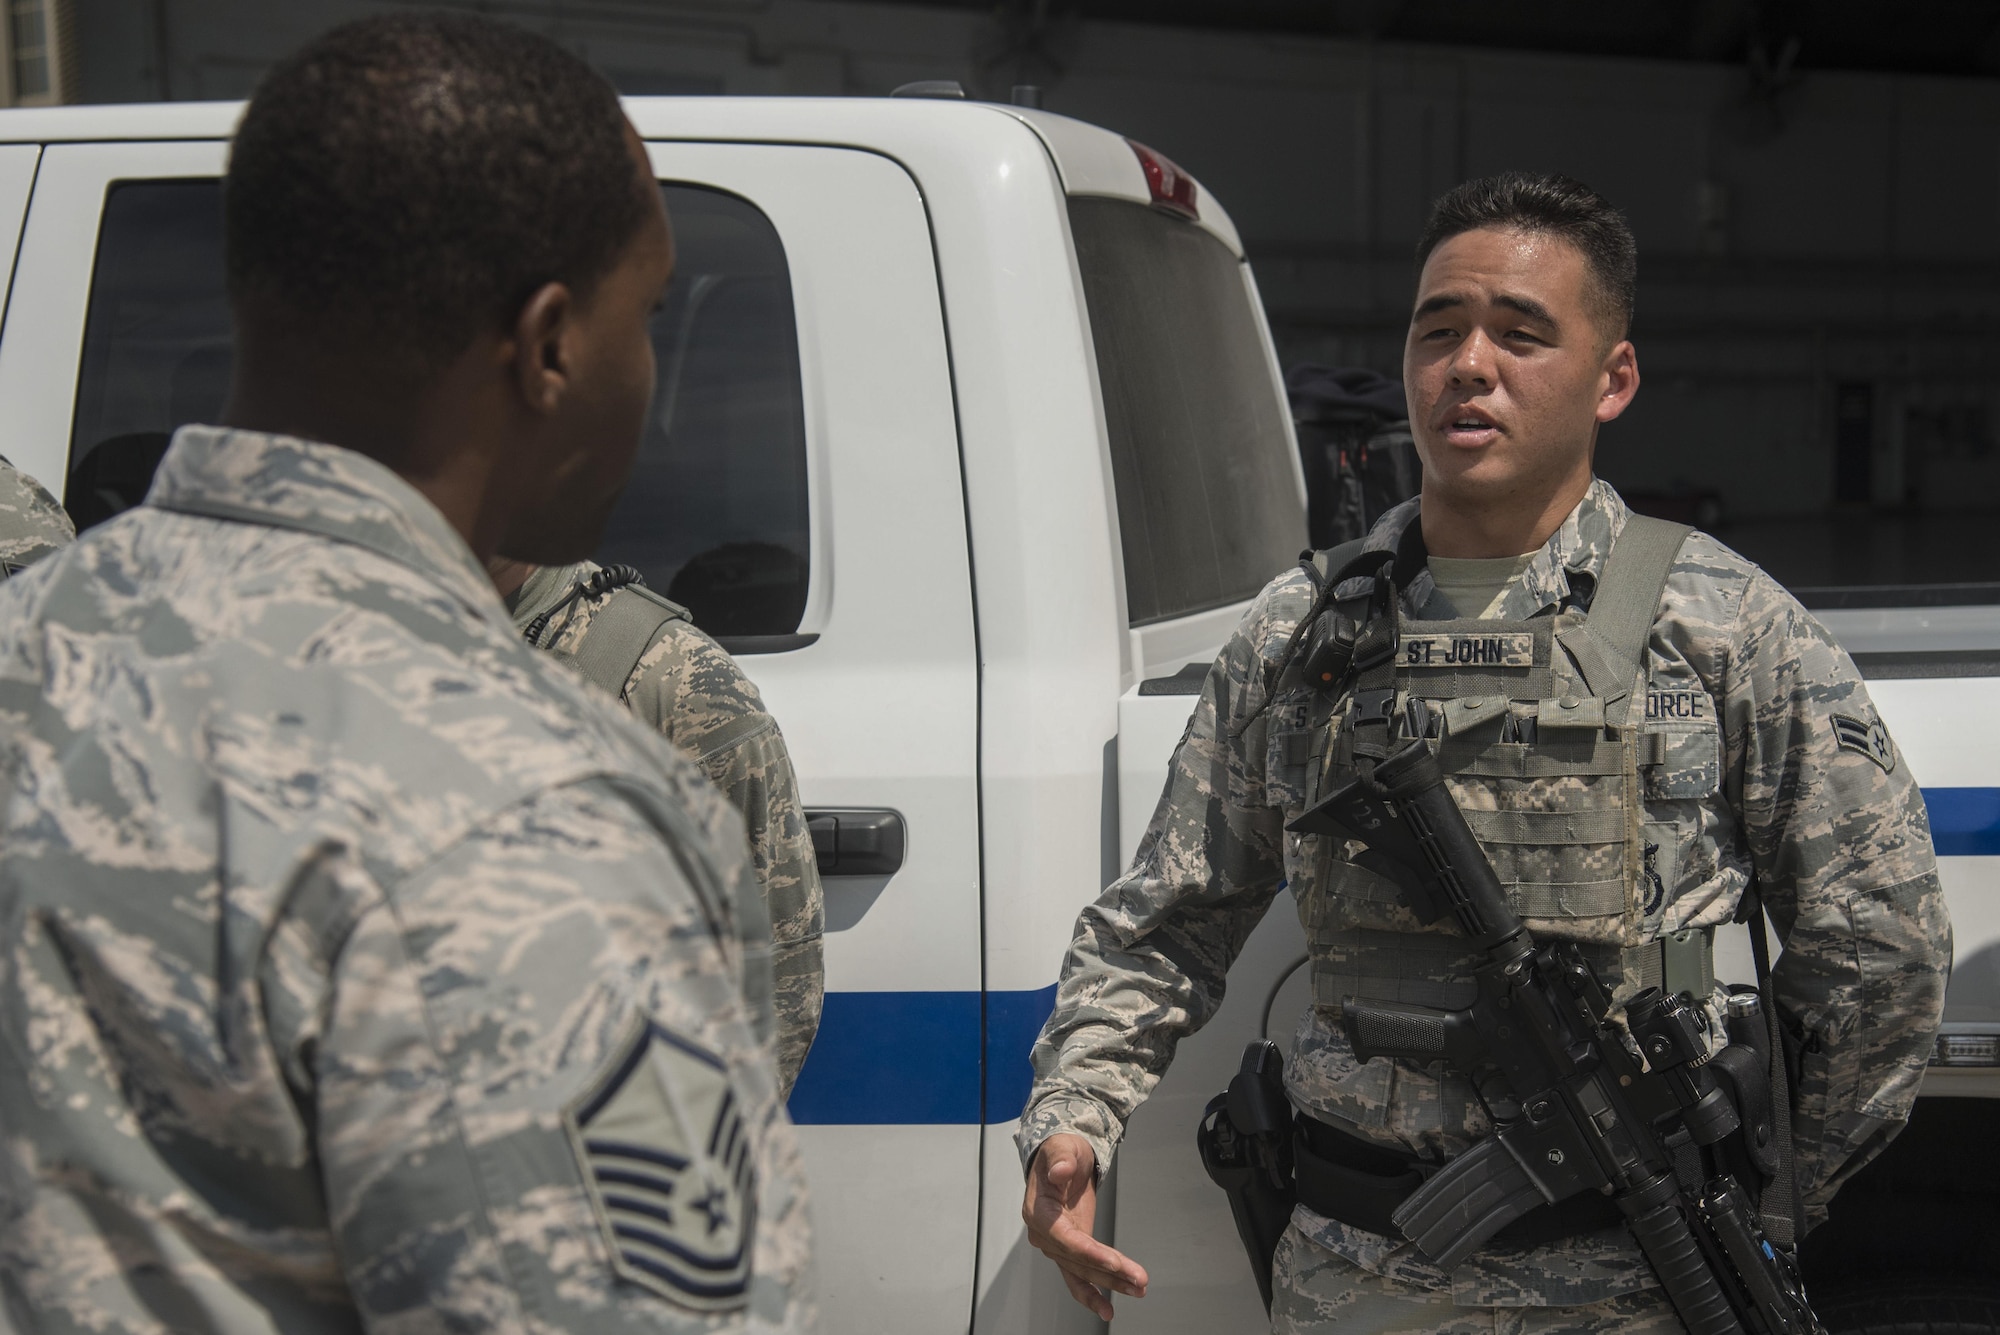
1870	738
1514	649
665	1153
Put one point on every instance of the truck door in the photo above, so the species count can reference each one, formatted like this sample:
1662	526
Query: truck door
17	177
853	614
798	486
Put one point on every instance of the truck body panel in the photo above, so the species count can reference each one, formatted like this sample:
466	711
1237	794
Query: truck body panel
971	651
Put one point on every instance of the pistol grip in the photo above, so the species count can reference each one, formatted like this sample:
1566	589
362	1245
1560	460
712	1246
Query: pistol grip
1395	1029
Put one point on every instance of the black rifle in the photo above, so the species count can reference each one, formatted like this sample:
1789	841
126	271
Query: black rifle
1245	1139
1572	1109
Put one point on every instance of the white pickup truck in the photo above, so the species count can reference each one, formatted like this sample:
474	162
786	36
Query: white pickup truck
969	439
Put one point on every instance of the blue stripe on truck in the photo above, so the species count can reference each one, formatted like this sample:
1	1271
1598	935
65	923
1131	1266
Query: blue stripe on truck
1014	1021
1965	822
914	1058
887	1058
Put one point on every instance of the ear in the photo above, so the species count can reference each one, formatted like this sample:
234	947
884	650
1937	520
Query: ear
1618	381
541	355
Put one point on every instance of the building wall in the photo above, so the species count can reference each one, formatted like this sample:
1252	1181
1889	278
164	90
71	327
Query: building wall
1797	237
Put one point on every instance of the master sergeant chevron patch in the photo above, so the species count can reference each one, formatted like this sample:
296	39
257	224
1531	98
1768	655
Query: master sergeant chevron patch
665	1153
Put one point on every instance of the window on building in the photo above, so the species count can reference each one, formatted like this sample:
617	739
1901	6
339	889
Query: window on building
39	39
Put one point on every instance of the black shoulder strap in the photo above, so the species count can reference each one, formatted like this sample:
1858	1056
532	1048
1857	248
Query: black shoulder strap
1327	561
620	633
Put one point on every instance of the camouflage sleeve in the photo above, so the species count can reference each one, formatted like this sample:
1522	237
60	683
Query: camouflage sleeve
689	688
515	1075
32	524
755	773
1150	957
1841	845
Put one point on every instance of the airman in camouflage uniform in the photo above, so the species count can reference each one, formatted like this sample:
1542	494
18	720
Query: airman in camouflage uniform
1840	847
1801	789
361	968
326	905
32	524
688	688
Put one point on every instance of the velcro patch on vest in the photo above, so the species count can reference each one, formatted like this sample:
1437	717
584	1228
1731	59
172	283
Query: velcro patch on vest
1513	649
1679	704
665	1151
1868	737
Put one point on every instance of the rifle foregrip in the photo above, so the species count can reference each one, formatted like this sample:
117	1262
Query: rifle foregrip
1664	1236
1377	1029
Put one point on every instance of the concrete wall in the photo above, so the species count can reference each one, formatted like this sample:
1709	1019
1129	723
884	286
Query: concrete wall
1836	229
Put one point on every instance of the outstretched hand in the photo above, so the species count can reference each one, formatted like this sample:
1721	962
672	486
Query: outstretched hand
1059	1210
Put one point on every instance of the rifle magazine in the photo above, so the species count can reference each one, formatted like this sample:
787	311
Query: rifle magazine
1466	1202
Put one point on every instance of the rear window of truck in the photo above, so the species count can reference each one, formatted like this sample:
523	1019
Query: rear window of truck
715	514
1208	500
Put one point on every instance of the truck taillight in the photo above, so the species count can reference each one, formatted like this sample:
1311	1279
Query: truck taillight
1172	189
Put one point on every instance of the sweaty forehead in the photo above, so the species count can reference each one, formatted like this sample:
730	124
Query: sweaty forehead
1480	264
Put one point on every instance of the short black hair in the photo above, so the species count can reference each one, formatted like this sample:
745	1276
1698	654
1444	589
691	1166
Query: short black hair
403	181
1549	205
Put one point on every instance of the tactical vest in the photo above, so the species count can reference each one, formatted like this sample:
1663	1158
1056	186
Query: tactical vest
618	636
621	632
1540	728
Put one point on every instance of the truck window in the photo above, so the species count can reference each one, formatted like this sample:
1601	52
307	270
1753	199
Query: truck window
1208	502
715	514
156	343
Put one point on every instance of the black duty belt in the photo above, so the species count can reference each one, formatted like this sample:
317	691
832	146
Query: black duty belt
1345	1178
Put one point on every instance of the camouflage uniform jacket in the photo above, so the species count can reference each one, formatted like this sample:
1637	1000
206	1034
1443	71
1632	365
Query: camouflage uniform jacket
688	688
32	524
1835	833
349	949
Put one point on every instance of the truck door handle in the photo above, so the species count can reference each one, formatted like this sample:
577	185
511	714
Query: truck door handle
856	842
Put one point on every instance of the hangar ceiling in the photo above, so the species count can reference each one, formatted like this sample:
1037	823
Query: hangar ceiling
1915	36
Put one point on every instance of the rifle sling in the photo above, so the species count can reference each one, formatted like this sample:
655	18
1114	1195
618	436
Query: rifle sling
1779	1203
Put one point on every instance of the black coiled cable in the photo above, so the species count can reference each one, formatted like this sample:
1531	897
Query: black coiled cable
603	580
